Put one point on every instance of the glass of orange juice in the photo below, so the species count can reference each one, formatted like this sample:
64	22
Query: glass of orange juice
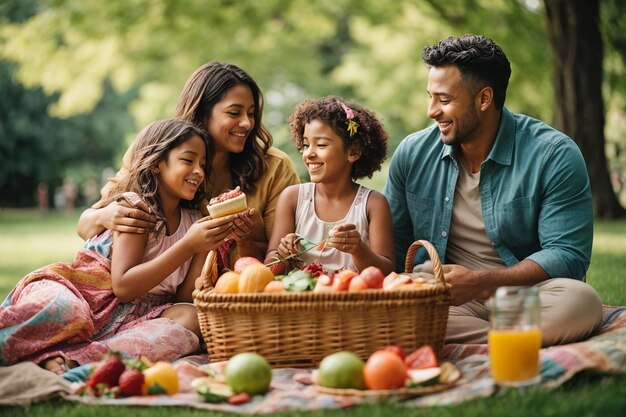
515	337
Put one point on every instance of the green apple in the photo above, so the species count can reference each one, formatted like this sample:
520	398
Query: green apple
342	370
248	372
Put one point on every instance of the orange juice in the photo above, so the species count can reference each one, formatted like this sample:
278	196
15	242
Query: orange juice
514	356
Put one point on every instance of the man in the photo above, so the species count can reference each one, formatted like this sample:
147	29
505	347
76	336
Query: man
504	198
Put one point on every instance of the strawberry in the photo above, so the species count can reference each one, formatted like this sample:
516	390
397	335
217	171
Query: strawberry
131	382
107	373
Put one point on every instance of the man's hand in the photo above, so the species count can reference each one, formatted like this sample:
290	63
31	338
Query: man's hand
465	284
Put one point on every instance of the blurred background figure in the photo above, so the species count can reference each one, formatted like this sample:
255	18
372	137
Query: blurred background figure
69	194
91	191
42	197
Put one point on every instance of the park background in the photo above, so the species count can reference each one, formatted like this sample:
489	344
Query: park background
79	78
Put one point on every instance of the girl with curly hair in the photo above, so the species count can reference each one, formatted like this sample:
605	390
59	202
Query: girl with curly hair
340	142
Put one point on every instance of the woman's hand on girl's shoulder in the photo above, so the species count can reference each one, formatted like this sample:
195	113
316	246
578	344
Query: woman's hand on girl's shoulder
121	216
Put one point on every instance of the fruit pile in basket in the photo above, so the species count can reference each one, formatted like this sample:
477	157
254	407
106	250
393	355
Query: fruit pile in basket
249	275
385	369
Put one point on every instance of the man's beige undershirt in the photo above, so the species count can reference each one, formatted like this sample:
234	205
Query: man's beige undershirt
468	243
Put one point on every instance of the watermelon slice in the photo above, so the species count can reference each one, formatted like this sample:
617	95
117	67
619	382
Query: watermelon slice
423	357
424	376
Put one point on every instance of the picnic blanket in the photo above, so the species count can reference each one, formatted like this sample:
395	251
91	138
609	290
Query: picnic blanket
604	352
71	311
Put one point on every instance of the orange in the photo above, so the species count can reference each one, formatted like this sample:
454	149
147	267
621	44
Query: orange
254	278
385	370
227	283
160	378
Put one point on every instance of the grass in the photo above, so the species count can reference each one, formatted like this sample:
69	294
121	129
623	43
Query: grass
29	240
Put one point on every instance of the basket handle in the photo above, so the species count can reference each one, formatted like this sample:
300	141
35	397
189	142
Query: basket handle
208	277
434	257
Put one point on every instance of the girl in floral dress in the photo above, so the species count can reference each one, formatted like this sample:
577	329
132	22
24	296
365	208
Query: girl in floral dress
126	292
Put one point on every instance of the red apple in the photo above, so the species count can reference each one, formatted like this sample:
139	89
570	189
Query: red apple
397	349
241	263
373	277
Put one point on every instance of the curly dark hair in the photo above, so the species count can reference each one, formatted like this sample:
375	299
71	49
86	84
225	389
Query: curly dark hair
480	61
153	145
370	137
202	91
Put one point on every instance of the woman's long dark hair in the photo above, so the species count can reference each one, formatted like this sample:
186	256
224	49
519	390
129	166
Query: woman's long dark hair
206	87
153	145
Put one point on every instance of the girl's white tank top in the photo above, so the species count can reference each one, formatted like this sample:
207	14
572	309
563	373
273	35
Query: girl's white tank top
316	230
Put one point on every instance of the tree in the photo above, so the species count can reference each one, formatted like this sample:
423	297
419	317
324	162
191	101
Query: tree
575	38
613	27
576	41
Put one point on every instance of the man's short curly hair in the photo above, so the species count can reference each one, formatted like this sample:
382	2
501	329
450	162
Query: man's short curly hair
479	59
370	137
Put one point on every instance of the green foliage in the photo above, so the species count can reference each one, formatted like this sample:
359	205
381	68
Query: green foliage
35	147
366	50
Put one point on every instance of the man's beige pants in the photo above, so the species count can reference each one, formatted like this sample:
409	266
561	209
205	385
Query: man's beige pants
570	311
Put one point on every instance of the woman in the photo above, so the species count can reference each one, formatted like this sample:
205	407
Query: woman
226	102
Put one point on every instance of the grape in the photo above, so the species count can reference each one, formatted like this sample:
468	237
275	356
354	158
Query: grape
314	268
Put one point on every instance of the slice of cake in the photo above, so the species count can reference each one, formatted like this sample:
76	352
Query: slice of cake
230	202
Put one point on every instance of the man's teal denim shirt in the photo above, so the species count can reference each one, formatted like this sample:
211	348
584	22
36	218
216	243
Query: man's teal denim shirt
534	192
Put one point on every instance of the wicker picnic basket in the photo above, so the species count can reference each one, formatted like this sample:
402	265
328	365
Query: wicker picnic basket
298	329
